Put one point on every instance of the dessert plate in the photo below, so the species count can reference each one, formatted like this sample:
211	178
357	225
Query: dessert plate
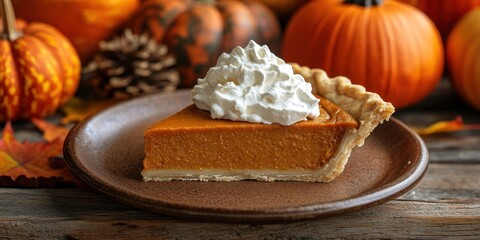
106	152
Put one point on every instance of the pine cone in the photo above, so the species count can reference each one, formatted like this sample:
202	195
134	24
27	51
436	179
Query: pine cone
131	65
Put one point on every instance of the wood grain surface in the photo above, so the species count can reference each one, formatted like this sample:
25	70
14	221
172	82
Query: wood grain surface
445	205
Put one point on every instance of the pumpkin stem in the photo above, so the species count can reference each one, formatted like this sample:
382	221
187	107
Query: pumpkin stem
10	31
365	3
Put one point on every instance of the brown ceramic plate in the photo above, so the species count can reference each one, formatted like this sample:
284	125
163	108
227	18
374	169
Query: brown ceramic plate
106	152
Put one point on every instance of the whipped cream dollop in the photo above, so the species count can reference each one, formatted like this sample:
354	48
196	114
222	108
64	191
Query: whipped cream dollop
252	84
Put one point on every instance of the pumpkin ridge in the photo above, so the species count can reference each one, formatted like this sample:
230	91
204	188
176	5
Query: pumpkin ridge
53	68
469	93
61	77
401	95
330	48
20	81
369	74
12	110
361	19
388	37
476	84
37	80
64	54
347	17
324	22
464	60
475	64
417	92
397	56
464	49
426	73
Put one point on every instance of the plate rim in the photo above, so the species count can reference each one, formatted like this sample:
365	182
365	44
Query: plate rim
386	192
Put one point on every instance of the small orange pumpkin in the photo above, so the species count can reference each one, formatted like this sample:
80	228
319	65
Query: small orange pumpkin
444	13
39	68
390	48
198	32
463	55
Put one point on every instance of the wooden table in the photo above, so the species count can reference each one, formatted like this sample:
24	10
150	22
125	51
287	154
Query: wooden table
445	205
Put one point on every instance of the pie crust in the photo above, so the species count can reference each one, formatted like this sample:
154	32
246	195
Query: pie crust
367	108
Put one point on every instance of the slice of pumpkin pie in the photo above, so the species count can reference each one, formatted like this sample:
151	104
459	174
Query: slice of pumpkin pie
256	117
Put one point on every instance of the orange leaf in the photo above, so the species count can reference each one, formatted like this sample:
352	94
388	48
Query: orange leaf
77	109
51	132
31	159
447	126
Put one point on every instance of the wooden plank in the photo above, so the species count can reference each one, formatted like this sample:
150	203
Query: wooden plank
455	147
391	220
445	205
462	147
448	183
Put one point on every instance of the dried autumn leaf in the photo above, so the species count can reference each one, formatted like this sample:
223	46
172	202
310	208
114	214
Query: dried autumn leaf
78	109
31	161
51	132
447	126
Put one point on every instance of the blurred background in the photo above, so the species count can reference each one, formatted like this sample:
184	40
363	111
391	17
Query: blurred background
127	48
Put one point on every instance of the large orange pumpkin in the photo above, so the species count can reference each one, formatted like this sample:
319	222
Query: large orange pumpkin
39	68
390	48
198	32
444	13
84	22
463	55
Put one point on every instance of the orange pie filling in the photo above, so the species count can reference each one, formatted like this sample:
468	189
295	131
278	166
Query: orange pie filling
190	142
